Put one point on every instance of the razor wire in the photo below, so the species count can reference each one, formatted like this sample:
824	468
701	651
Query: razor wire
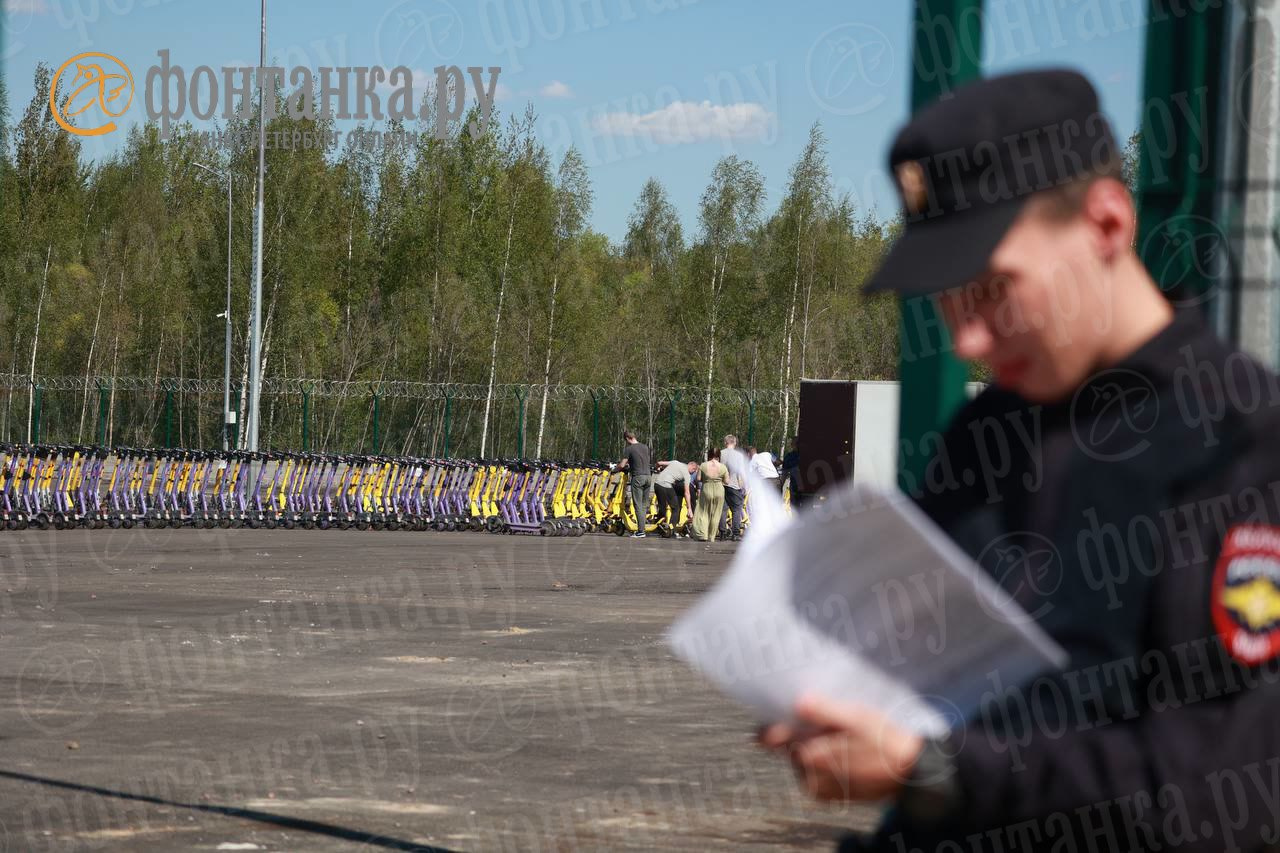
393	388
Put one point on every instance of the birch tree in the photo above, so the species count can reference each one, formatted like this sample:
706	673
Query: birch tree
521	168
573	199
807	200
728	211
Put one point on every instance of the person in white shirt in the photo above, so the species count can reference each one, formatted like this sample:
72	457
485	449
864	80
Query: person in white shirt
761	461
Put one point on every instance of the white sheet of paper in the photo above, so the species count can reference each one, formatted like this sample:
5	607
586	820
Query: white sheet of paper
861	598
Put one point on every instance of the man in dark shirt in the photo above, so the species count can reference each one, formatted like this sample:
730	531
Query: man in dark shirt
1120	480
637	462
791	470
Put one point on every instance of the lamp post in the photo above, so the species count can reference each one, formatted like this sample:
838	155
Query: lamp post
255	307
228	418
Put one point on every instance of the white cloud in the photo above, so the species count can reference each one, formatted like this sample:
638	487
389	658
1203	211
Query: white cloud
687	121
556	89
502	92
35	7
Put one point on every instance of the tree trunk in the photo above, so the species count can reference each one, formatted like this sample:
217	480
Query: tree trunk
546	371
497	325
115	361
435	293
35	346
648	372
266	328
8	397
711	351
88	362
791	322
804	325
155	382
244	380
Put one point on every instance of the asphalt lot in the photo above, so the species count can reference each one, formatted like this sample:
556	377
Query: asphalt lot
298	690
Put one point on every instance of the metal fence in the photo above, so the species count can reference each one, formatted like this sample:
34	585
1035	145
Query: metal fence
396	417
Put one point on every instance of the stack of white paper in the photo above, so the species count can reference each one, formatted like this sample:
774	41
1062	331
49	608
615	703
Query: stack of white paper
860	598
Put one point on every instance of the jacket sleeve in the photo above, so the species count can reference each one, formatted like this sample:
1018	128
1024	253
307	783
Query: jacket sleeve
1201	775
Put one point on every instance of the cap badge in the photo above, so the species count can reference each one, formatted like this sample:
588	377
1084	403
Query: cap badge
911	181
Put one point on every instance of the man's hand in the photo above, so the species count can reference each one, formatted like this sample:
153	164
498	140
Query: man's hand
845	752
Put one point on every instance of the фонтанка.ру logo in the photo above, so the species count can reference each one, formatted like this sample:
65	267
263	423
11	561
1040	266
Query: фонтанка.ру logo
100	81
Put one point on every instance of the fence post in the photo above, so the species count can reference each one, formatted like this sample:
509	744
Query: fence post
37	405
751	419
448	421
672	398
306	419
376	412
932	378
104	413
595	425
521	393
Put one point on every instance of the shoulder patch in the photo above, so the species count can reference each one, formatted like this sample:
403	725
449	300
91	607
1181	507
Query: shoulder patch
1246	593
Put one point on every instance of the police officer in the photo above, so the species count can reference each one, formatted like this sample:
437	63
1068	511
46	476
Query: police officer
1119	478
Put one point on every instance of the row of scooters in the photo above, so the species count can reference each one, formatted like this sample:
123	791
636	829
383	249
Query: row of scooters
63	487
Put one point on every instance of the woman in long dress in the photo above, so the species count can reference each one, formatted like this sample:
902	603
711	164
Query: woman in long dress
706	519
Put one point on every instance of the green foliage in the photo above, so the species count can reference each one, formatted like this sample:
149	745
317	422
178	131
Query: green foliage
390	262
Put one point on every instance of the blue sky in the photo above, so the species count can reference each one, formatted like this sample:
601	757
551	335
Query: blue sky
643	87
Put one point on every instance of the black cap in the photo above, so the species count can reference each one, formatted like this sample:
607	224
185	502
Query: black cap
966	165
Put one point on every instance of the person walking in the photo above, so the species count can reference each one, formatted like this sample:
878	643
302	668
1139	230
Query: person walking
637	462
706	519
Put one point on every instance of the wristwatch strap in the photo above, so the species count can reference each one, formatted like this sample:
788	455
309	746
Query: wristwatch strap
932	793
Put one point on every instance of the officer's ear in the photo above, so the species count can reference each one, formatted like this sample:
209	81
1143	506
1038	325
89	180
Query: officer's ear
1109	211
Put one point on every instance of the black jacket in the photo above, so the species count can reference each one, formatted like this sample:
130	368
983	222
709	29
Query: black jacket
1105	517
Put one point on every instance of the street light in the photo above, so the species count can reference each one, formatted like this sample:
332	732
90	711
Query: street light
255	304
228	417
